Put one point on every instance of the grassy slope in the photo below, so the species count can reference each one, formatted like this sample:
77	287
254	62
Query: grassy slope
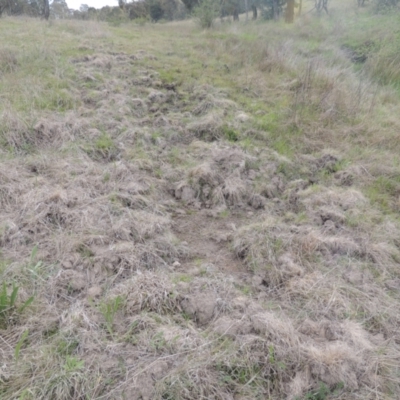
216	213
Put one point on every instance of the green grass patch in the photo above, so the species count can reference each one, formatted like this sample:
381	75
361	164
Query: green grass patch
8	304
384	192
169	76
270	122
230	133
104	143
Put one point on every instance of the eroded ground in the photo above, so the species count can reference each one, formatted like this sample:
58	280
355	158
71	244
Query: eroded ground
180	240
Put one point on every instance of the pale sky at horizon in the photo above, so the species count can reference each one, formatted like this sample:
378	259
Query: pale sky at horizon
75	4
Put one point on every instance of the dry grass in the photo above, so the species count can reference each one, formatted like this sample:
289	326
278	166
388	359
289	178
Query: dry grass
116	142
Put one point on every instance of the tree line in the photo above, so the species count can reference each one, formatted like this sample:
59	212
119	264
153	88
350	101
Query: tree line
156	10
153	10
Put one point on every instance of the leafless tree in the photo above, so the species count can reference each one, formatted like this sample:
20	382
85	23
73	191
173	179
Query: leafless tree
46	10
321	5
289	15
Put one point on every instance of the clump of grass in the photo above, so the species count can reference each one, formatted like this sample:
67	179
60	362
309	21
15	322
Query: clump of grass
8	307
104	143
109	310
230	133
383	192
147	292
8	60
103	148
321	393
208	128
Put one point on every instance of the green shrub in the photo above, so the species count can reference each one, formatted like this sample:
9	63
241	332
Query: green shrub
206	13
385	5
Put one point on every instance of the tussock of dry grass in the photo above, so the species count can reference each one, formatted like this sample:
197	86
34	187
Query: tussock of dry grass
8	60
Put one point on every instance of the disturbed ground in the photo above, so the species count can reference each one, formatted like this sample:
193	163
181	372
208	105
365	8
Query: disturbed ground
191	226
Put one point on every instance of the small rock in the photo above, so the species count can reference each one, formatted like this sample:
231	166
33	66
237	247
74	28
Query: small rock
257	201
195	271
257	280
210	213
188	193
200	307
176	264
242	117
77	284
330	334
222	237
182	287
197	205
67	265
155	96
90	78
94	291
262	296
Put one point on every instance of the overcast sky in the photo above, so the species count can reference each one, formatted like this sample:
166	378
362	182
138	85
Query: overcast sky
75	4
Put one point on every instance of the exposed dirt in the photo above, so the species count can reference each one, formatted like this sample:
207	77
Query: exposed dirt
208	237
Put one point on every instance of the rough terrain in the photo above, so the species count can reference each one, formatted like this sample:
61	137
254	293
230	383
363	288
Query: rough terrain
197	215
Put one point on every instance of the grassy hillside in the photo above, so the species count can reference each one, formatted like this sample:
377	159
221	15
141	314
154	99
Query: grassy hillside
191	214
